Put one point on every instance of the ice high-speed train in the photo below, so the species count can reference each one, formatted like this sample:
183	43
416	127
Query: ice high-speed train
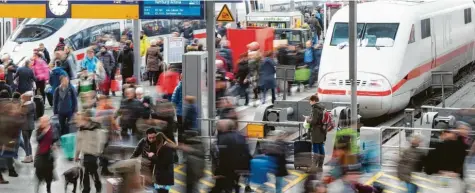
78	33
399	44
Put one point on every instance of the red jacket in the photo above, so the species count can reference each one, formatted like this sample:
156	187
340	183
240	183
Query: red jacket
168	81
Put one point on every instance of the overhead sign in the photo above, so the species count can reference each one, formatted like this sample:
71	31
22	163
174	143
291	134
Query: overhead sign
255	18
171	9
225	15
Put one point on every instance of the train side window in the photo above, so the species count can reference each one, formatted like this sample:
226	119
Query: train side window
467	13
425	28
412	36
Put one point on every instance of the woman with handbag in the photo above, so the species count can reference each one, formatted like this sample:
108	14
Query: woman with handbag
153	60
44	159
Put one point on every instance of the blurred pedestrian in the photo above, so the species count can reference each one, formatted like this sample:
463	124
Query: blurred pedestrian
44	158
65	104
61	59
89	160
190	114
167	83
242	78
221	29
28	107
146	102
105	112
41	70
26	77
144	43
42	49
130	111
410	161
4	86
108	62
317	130
310	60
10	70
71	60
277	151
90	61
153	61
55	75
177	99
126	61
267	79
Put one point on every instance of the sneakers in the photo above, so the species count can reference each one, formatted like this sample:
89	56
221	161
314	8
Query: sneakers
28	159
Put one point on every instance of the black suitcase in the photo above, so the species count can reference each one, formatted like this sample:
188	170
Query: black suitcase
302	153
40	106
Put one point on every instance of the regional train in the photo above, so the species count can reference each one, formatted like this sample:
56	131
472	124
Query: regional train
399	44
78	33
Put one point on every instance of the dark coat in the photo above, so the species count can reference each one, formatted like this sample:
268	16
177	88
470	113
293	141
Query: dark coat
277	150
108	61
234	153
153	58
26	77
46	56
66	105
243	72
130	111
161	161
10	73
316	126
448	155
66	65
411	161
267	74
126	58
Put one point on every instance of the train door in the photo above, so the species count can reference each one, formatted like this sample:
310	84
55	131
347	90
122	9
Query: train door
433	38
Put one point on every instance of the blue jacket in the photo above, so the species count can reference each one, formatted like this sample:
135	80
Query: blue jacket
267	74
89	64
308	56
177	99
54	77
190	117
66	105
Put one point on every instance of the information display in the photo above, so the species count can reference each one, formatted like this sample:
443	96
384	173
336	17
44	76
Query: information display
172	9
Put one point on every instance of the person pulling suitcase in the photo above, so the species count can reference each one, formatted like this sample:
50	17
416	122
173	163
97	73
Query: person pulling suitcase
317	130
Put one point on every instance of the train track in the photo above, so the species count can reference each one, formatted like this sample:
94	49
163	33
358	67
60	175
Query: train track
430	97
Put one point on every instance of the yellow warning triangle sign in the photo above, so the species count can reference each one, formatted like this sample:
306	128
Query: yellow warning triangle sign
225	15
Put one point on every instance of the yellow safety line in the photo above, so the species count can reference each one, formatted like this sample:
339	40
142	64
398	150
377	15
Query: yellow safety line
206	183
180	182
295	173
374	178
425	179
179	172
293	183
386	184
173	191
420	185
287	180
179	167
387	191
209	172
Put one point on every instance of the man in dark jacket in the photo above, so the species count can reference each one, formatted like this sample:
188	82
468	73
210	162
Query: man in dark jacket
233	155
109	63
45	52
26	78
10	70
64	104
130	110
242	78
4	86
317	131
227	54
126	59
61	60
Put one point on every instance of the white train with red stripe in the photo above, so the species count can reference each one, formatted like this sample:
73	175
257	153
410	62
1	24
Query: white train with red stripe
399	44
78	33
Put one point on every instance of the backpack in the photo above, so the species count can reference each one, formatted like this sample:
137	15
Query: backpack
327	121
318	114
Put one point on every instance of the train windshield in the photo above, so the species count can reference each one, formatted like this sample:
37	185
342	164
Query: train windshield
379	34
38	29
369	34
340	33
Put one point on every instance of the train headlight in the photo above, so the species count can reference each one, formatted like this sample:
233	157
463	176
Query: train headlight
376	83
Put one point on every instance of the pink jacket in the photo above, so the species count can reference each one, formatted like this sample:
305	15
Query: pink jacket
41	70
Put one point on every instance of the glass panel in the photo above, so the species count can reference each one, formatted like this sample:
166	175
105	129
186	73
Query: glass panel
340	33
38	29
380	34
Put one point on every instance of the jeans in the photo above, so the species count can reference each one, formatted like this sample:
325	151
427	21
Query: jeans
90	170
243	92
64	120
313	76
40	87
319	148
411	188
26	141
153	77
279	183
264	95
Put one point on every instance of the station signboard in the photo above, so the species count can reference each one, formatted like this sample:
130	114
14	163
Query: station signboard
171	9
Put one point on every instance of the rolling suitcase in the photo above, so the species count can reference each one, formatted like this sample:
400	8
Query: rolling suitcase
302	74
302	153
40	106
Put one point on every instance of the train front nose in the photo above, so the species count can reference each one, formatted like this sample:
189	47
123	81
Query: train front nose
373	91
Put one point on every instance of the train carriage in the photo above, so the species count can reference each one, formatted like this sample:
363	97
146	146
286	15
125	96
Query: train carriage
399	44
